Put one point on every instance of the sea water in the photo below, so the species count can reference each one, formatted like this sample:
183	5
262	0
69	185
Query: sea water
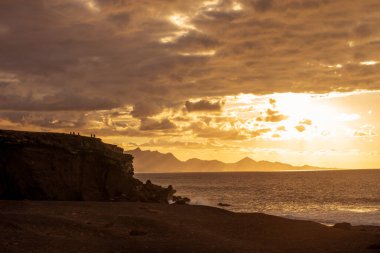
323	196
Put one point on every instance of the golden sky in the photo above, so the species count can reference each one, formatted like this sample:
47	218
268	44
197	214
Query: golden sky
295	81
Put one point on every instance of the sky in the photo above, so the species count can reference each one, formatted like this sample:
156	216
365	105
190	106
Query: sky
295	81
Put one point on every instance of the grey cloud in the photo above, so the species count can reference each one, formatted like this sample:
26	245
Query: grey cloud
195	41
203	105
363	30
57	102
73	121
4	84
121	19
262	5
152	124
145	109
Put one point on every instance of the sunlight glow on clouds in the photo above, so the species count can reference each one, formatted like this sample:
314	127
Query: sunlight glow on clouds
289	81
201	53
182	21
91	5
369	63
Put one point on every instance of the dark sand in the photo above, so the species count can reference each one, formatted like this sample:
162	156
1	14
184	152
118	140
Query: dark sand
30	226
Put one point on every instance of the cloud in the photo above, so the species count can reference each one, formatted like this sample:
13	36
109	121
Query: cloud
302	125
120	19
262	5
365	131
160	143
145	109
73	56
300	128
306	122
65	101
45	120
203	105
152	124
274	116
204	131
259	132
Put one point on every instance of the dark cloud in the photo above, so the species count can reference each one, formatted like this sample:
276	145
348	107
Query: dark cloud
73	121
194	41
262	5
203	105
152	124
121	19
58	102
145	109
71	55
4	84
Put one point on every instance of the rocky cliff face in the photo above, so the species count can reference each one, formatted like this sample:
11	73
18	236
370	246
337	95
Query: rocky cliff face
52	166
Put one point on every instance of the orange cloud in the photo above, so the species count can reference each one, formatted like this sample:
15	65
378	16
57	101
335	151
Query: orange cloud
300	128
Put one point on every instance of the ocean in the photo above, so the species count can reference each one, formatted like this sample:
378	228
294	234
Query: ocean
326	197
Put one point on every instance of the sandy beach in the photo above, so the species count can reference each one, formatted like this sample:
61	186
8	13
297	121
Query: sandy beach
33	226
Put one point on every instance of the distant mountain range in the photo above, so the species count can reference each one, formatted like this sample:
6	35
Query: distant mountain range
154	161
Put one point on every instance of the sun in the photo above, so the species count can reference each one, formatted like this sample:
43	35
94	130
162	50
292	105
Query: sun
288	115
307	106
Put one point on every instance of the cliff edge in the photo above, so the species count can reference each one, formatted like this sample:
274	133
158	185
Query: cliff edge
55	166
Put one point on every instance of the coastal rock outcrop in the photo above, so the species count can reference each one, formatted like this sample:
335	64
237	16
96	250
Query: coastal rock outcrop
54	166
343	225
179	200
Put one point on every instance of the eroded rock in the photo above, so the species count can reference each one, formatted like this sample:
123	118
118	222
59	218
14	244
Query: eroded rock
179	200
343	225
53	166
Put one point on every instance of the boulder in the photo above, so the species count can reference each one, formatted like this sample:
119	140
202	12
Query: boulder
343	225
180	200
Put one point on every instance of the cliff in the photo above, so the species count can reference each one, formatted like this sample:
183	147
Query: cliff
54	166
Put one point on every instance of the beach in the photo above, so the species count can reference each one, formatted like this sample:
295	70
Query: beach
44	226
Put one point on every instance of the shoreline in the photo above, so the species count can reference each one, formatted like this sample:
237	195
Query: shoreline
255	171
303	196
290	217
46	226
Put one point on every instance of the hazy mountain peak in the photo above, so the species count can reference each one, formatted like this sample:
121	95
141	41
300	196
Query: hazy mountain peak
246	159
155	161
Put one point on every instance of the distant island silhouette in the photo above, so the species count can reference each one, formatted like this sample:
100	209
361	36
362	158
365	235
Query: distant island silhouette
154	161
